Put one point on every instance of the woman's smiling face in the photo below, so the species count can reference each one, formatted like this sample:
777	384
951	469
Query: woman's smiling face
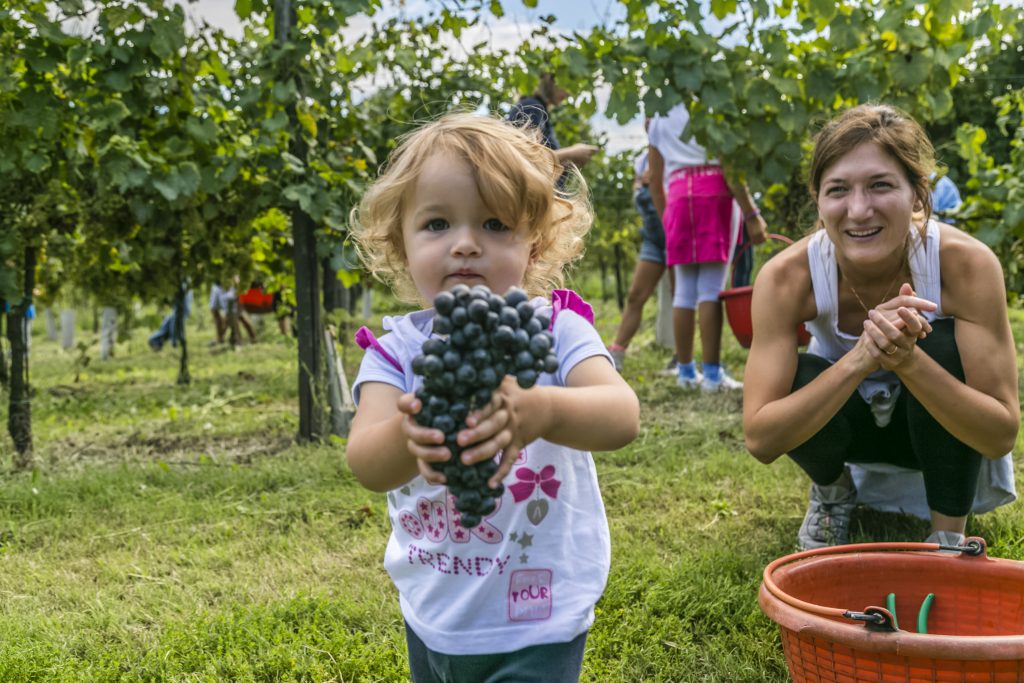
866	203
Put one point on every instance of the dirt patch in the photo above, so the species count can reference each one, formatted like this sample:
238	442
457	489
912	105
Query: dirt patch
169	448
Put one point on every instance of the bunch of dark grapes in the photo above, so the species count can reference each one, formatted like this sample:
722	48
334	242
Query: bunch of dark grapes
488	336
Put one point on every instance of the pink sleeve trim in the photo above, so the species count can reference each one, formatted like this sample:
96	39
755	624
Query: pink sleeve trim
366	340
566	299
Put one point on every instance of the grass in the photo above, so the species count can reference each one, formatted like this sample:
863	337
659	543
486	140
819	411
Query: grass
179	534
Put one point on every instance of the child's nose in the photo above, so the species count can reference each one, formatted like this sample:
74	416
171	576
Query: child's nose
465	242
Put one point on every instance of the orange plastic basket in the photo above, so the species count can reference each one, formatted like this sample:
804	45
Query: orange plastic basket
737	304
826	603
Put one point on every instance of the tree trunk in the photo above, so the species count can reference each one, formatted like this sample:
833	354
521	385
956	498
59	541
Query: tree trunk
347	300
307	271
335	296
309	326
184	377
127	321
367	300
4	377
620	297
19	414
603	268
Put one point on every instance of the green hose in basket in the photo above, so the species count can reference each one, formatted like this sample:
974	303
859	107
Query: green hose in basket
890	604
922	614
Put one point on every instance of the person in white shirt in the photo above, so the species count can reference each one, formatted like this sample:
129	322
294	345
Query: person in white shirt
701	211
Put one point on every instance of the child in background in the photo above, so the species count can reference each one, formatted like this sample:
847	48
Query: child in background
469	199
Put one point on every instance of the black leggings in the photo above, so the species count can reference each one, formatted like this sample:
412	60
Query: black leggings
912	439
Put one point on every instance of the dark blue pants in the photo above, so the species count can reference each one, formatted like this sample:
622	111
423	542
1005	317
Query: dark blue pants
912	439
549	663
743	260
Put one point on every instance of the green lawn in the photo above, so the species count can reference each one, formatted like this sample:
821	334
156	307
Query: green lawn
178	534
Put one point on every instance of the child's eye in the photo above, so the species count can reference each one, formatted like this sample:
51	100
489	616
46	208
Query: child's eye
494	225
436	225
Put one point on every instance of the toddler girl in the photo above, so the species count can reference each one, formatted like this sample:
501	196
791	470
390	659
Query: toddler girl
472	200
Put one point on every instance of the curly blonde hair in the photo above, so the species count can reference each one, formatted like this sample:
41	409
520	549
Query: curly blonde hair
518	179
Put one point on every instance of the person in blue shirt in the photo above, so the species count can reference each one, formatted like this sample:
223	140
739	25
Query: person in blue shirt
945	197
166	332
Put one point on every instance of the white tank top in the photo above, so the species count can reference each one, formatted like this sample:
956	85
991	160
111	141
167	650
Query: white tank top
882	387
880	485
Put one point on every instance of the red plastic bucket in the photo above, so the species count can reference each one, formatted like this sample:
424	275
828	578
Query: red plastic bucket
974	628
256	301
737	304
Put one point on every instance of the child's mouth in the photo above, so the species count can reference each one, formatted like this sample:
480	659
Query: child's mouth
465	275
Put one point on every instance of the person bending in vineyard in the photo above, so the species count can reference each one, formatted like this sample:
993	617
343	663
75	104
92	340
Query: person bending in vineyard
467	201
532	112
912	364
701	214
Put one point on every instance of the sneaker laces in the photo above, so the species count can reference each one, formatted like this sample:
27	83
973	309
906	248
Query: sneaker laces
832	523
828	515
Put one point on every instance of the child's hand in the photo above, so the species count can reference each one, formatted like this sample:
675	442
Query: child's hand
507	424
426	443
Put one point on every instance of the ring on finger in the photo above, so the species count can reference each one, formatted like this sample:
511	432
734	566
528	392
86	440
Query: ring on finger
894	349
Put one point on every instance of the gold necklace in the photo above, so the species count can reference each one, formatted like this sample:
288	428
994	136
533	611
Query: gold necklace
884	296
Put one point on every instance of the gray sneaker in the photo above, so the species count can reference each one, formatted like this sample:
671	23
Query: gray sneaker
670	369
827	521
947	538
618	357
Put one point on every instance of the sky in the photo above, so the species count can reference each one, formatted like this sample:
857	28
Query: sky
507	32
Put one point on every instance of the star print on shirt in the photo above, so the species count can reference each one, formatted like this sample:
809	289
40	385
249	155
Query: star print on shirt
514	536
526	540
524	558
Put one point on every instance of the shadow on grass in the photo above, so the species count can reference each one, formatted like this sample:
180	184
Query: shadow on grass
873	526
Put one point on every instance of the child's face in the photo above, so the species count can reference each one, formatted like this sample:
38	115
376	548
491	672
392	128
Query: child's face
451	237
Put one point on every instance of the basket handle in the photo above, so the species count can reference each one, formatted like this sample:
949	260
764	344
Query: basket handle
877	618
743	250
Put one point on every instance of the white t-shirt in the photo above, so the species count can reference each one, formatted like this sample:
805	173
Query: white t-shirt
640	164
664	133
220	298
533	570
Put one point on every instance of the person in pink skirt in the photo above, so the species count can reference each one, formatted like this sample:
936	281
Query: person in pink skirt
701	213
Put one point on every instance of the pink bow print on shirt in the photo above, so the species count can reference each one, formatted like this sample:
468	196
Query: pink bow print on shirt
529	480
